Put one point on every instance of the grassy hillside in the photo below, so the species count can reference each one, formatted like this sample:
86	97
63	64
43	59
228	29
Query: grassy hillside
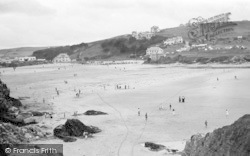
17	52
124	45
50	53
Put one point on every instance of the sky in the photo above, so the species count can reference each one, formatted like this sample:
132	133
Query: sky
25	23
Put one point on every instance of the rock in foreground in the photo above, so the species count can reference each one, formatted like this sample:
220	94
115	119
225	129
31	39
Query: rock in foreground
233	140
73	127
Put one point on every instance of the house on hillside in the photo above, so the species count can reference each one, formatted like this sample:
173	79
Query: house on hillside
26	58
146	34
62	58
174	40
155	53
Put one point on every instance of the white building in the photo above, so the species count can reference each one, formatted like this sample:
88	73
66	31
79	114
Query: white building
146	34
155	53
26	58
42	60
199	45
174	40
61	58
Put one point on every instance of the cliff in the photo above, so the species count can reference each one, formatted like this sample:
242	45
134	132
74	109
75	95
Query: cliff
233	140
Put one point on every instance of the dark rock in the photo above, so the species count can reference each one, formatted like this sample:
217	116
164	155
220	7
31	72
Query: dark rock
92	129
7	103
60	131
16	121
153	146
15	102
69	139
73	127
36	113
30	120
93	112
229	140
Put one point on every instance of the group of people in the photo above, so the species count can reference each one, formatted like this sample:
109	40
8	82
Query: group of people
181	99
78	94
120	86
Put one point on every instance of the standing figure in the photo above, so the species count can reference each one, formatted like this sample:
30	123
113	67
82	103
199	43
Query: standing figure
139	113
146	116
227	113
173	112
235	77
217	79
179	99
206	123
170	106
183	99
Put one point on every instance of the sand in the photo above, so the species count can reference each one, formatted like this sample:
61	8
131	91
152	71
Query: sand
150	86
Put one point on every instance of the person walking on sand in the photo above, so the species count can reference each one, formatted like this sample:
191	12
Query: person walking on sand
170	106
139	113
183	99
206	123
173	112
235	77
217	79
227	113
179	99
146	116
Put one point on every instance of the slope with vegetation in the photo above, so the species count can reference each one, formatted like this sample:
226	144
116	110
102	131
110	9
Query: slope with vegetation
125	45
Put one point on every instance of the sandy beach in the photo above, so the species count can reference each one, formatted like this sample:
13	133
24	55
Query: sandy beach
208	90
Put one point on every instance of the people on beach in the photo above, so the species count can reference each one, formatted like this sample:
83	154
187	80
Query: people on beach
173	112
217	79
235	77
43	100
206	123
146	116
161	107
77	95
170	106
227	113
183	99
85	134
75	113
139	113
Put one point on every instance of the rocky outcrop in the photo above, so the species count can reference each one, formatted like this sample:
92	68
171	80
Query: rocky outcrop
11	134
153	146
10	109
8	105
93	112
233	140
75	128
